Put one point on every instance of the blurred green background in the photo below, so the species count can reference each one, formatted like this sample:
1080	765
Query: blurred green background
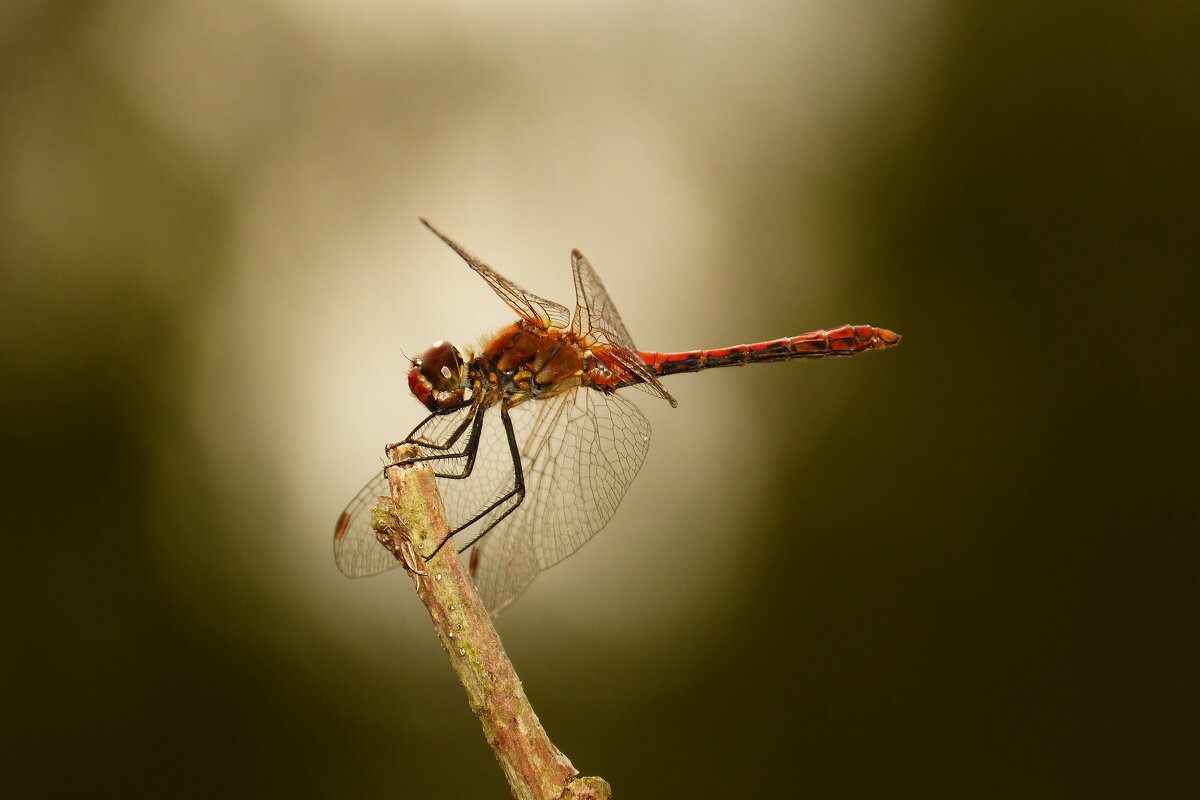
965	567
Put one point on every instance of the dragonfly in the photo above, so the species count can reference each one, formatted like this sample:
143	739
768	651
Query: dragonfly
531	439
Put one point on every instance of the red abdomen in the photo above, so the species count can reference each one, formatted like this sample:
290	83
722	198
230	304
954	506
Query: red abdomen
847	340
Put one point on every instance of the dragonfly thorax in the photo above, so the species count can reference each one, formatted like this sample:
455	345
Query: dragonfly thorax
525	361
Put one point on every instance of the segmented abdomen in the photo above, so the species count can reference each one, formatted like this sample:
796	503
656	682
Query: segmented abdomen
847	340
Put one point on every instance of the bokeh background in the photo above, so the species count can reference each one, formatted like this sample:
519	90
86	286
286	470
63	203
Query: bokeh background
965	567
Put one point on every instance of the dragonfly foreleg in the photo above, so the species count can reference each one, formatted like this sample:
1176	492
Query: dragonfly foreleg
469	447
469	450
415	437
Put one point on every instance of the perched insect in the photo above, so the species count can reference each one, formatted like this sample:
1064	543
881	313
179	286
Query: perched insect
532	443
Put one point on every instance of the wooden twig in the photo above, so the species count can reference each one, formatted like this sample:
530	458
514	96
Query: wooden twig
412	522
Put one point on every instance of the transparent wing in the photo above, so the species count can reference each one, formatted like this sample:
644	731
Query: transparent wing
580	451
355	549
531	307
596	319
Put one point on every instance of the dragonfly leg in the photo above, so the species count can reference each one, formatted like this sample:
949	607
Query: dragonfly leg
473	420
468	453
415	438
513	497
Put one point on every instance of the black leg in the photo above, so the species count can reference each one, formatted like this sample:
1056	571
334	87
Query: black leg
413	437
473	420
516	494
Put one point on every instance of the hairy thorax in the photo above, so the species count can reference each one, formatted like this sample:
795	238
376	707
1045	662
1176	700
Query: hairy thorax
525	361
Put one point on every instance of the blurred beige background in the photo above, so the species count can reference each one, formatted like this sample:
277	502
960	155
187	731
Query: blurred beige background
964	567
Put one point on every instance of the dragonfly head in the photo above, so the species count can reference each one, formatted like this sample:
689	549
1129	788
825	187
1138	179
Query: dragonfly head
438	377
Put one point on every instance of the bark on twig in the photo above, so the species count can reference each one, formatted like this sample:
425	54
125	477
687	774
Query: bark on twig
412	522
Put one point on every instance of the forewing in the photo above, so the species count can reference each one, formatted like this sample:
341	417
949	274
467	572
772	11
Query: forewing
580	451
355	549
527	304
597	320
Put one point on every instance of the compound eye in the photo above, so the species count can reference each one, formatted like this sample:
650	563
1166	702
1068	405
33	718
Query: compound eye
442	366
